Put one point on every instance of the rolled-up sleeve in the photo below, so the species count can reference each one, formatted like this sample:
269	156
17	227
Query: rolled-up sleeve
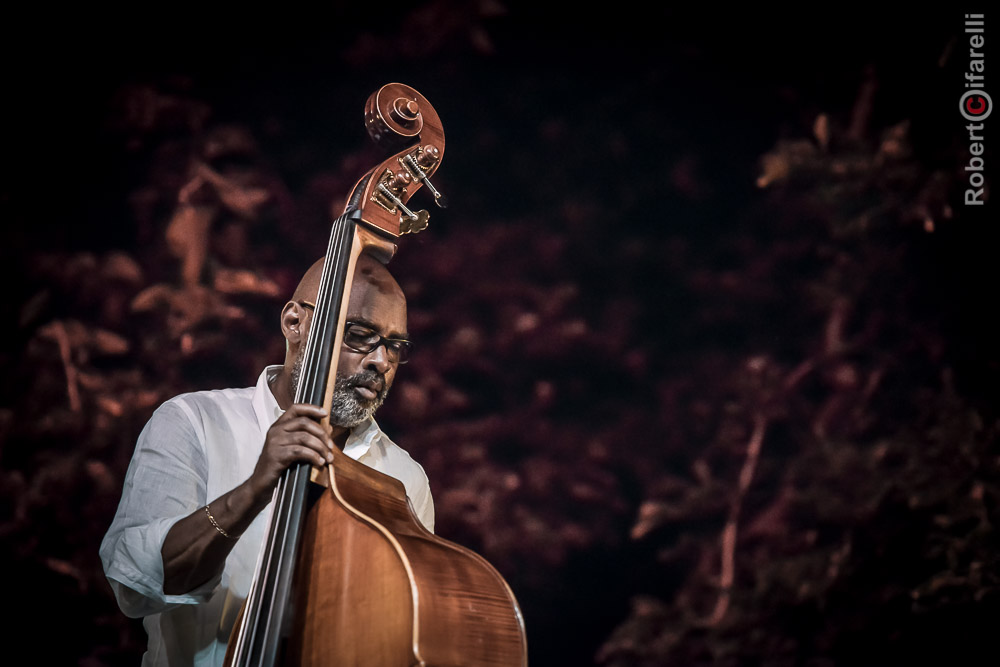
165	482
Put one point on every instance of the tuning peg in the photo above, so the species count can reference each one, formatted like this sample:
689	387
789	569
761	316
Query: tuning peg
421	176
414	225
416	222
399	181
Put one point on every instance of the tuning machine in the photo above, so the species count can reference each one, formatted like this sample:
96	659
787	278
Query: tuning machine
426	157
390	187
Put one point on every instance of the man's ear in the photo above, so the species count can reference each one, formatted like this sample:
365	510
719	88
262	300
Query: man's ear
292	318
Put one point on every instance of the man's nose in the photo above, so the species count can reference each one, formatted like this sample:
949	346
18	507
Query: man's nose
378	359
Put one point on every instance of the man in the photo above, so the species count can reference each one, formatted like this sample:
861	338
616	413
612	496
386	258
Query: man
183	545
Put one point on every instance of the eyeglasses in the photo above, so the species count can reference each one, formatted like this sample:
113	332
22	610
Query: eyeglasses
364	339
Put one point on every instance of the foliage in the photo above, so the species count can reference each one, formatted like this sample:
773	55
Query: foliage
691	422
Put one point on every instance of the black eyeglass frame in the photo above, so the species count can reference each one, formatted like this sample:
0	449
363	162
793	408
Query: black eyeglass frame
400	348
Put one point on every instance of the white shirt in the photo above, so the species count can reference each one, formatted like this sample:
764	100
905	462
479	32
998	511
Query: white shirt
195	448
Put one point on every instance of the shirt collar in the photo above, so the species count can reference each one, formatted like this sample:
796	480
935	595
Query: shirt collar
265	407
360	441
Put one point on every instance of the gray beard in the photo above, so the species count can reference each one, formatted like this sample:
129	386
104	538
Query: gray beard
348	408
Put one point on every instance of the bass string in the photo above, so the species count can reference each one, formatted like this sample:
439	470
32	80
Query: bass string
323	333
312	385
285	499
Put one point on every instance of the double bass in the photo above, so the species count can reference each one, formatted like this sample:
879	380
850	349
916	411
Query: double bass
351	577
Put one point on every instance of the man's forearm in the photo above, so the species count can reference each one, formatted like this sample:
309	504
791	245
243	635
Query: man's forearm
195	550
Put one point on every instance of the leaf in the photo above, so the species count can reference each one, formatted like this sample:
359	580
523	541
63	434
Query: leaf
244	281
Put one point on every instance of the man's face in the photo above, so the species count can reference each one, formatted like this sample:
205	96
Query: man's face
363	379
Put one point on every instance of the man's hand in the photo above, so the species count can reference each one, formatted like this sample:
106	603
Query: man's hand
296	437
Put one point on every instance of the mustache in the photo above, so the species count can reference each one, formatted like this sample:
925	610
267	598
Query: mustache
369	378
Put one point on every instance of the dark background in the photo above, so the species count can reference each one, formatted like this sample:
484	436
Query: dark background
706	356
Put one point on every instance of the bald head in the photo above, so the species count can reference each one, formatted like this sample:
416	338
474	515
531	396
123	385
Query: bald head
368	270
308	287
